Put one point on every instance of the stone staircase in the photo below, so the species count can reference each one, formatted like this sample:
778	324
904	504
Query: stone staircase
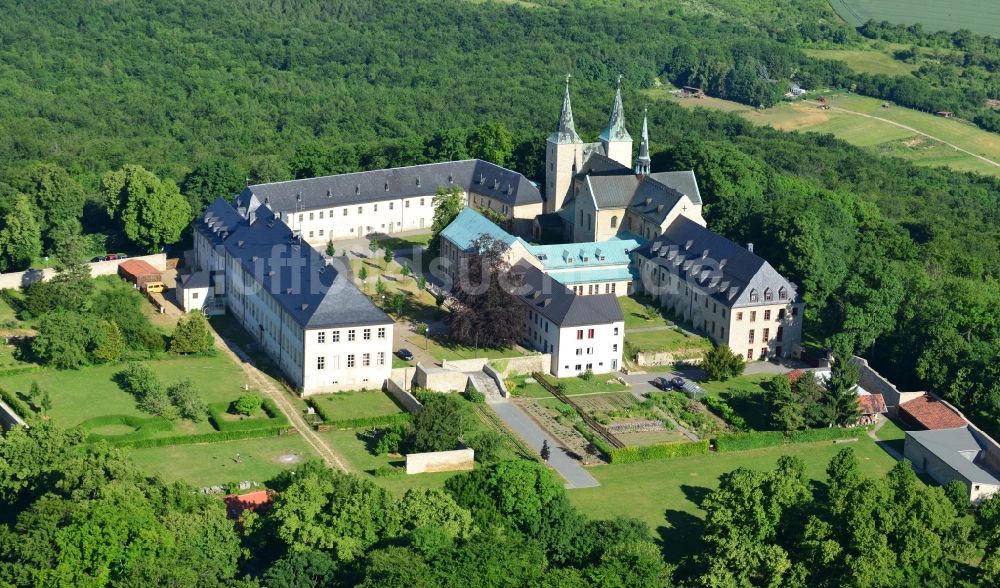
486	385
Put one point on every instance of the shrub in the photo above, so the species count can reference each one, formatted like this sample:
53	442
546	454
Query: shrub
247	404
157	402
725	412
390	439
487	446
749	440
587	375
22	409
388	471
720	363
188	402
192	335
473	395
663	451
138	380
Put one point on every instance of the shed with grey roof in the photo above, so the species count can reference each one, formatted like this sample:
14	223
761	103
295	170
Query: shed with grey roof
964	453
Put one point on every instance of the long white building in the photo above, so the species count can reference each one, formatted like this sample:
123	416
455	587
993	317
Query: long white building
300	308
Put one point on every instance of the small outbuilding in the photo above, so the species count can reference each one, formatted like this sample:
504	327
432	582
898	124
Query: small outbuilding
193	290
139	272
929	412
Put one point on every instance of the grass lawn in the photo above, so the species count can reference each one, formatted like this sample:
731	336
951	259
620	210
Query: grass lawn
636	316
665	494
442	348
979	16
214	463
665	340
364	462
396	242
599	384
356	404
78	395
399	363
893	435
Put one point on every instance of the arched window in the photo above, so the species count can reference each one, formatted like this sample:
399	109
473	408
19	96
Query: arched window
782	293
753	296
614	222
768	295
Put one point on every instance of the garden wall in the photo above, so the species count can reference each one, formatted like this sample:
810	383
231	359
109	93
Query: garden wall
9	418
690	356
464	365
526	364
100	268
875	383
440	461
404	398
438	379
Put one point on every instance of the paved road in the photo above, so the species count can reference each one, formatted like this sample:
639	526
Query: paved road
519	422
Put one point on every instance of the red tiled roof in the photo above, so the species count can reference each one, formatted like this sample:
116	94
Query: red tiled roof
250	501
871	403
137	267
931	413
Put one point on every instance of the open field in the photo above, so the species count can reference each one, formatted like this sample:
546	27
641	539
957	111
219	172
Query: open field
862	121
211	464
665	340
865	60
979	16
665	494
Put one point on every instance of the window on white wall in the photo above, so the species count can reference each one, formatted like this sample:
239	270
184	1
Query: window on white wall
366	359
336	336
350	360
321	337
381	358
320	362
367	335
351	335
381	332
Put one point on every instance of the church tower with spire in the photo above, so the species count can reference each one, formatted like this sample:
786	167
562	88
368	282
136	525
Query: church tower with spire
563	157
615	140
642	162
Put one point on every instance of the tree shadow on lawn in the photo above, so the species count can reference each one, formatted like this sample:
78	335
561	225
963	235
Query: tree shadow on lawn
681	538
754	408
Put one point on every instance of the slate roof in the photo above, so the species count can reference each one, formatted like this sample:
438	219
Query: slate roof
683	182
315	293
472	175
560	305
200	279
930	413
960	449
615	131
686	247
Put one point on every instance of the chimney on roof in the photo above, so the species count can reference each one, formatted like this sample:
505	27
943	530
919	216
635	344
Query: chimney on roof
305	306
649	201
241	244
418	181
357	189
688	245
659	208
750	247
329	192
288	291
387	185
704	254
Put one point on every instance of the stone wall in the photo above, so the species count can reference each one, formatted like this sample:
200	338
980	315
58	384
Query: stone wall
404	398
464	365
525	364
18	280
876	383
438	379
692	357
497	379
440	461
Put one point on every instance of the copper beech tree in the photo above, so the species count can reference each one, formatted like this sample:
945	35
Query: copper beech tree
486	312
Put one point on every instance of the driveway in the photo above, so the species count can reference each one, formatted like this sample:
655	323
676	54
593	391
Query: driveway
519	422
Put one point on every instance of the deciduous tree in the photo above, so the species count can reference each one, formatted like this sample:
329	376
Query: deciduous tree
20	237
152	211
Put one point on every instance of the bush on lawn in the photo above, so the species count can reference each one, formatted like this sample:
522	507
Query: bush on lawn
192	335
662	451
388	471
187	400
247	404
720	363
487	446
749	440
473	395
390	439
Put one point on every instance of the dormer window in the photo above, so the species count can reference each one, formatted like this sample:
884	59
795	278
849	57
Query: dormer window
753	296
782	293
768	295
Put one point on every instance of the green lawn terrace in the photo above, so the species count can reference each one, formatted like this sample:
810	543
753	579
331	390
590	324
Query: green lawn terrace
355	404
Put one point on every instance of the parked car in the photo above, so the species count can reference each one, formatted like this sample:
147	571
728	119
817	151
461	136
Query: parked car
121	256
405	354
156	287
677	382
111	257
662	384
96	259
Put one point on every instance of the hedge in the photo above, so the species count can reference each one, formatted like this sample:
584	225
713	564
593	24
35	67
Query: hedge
663	451
384	420
24	369
145	427
593	437
275	418
215	437
761	439
22	409
811	435
725	412
749	440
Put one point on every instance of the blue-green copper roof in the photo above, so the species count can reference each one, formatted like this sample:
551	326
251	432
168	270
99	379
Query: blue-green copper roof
469	225
597	254
611	274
